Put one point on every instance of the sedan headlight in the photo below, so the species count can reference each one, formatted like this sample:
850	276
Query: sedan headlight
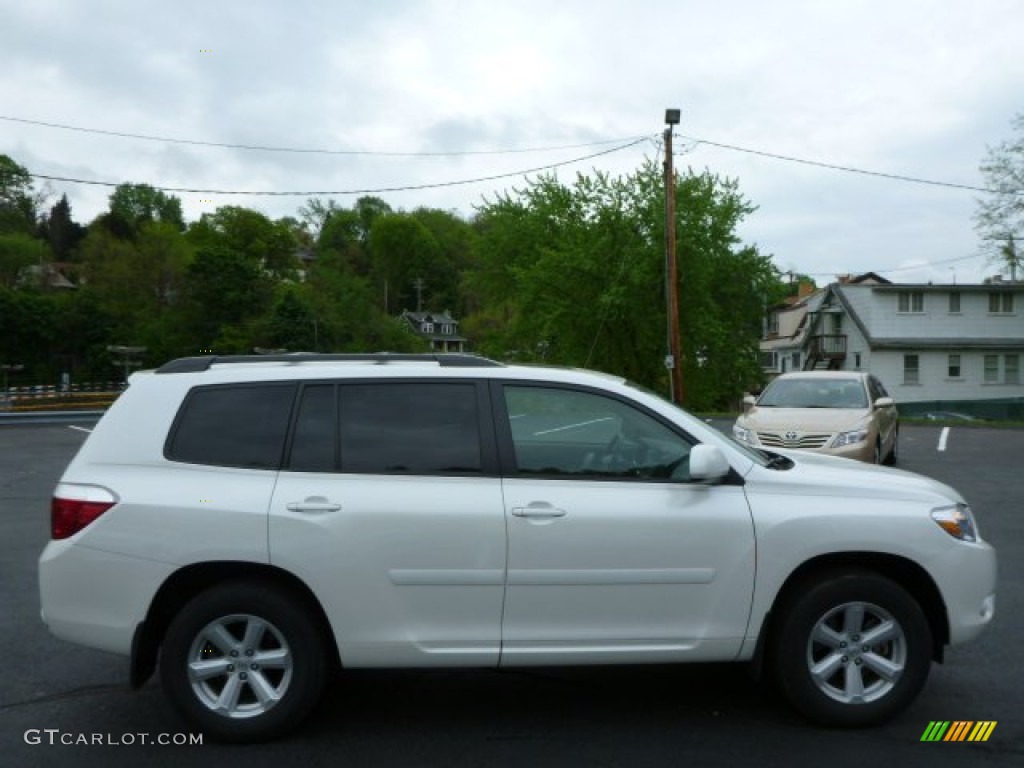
850	438
743	434
957	520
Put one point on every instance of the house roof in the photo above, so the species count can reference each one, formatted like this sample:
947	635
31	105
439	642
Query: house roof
430	317
856	300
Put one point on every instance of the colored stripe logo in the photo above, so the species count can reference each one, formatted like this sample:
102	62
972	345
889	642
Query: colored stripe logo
959	730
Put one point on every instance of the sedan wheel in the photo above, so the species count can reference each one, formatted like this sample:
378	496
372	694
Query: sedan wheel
852	649
244	661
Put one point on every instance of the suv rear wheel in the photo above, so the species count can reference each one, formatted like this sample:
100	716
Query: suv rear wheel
852	650
243	661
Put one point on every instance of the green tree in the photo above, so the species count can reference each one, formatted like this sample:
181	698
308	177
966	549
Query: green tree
404	252
17	200
315	213
999	218
19	252
61	231
271	246
348	316
341	234
575	275
133	204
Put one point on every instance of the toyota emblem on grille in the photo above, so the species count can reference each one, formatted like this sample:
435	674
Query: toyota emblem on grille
791	435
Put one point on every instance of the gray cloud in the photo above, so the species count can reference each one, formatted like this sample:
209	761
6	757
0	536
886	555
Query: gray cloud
916	88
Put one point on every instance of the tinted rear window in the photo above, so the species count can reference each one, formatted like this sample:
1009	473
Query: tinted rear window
233	426
416	428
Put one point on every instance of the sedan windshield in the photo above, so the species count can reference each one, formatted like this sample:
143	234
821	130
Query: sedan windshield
814	393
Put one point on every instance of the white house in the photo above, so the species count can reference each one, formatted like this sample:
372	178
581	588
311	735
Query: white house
935	347
439	329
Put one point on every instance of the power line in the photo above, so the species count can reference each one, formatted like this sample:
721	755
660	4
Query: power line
896	269
308	150
328	193
848	169
507	151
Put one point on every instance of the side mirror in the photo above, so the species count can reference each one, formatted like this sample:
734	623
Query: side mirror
748	402
707	463
884	402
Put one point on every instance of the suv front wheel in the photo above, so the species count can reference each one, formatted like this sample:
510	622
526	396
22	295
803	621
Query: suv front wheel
243	661
852	650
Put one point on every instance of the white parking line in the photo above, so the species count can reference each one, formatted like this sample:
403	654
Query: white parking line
943	437
572	426
80	429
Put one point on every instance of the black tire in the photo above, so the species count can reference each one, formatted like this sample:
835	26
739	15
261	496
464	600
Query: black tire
822	607
286	657
891	459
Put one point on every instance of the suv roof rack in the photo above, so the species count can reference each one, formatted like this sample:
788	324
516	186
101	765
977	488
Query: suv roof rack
445	360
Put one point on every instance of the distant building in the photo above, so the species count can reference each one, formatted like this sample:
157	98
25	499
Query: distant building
440	329
935	347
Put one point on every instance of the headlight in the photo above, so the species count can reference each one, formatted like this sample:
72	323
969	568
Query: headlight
743	435
849	438
957	520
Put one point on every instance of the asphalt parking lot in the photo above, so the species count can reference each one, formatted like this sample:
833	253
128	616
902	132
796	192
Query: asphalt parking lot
703	715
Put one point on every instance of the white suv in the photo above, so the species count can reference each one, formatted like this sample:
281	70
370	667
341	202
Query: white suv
249	524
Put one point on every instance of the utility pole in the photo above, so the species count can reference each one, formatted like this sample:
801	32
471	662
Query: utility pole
674	359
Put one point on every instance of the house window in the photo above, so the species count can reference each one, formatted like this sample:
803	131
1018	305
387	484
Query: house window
954	303
954	366
911	369
1000	303
769	361
427	327
796	361
991	369
773	324
911	301
856	360
1011	369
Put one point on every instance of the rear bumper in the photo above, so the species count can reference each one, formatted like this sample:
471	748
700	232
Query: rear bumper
96	598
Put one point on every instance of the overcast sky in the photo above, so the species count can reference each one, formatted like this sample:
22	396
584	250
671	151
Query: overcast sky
915	88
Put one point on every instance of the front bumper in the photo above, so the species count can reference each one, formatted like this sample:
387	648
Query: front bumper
966	576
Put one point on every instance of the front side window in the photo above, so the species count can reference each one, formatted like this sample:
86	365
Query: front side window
911	369
410	428
564	433
233	426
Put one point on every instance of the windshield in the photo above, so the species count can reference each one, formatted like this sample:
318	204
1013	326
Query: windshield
814	393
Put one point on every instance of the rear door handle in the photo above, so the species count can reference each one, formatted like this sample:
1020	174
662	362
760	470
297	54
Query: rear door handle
538	510
313	504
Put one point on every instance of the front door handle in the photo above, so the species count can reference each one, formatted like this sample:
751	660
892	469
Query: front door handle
313	504
538	510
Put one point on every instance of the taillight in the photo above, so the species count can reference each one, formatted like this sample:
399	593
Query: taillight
75	506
